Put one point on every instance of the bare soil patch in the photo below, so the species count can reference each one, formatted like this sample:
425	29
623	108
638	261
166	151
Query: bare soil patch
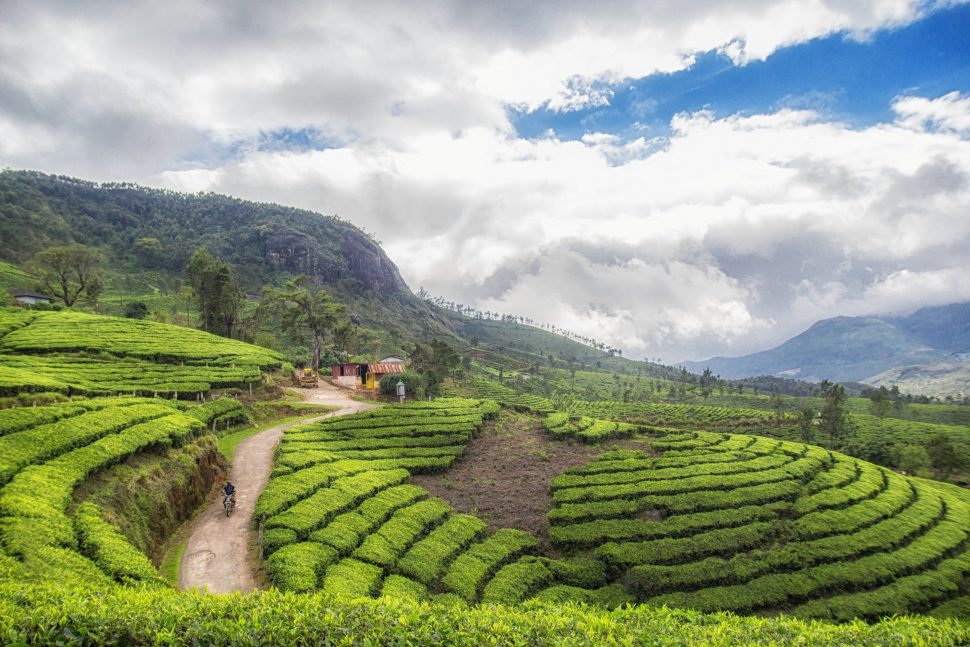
505	473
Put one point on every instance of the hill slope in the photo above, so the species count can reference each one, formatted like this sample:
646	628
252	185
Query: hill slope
694	519
265	243
857	348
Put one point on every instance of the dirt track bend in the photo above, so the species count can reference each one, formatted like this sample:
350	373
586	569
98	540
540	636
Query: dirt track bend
216	554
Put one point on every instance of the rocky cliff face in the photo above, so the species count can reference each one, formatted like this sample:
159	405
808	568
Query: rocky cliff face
355	258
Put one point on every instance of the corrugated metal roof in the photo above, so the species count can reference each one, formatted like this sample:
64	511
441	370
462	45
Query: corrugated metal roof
386	368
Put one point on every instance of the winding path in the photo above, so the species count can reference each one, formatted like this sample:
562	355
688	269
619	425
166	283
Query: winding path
217	552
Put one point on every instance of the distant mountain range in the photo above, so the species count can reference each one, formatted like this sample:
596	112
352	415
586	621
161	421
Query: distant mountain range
924	352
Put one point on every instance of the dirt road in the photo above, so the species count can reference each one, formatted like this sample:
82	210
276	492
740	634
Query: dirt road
216	555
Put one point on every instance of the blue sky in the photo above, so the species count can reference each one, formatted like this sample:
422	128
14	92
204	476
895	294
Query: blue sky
842	78
705	218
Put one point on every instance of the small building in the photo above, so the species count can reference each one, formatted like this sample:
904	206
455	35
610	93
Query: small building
391	360
355	375
376	371
350	375
26	296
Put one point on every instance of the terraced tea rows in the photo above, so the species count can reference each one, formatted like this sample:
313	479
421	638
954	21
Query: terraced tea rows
590	430
751	524
70	332
486	389
46	452
673	415
96	377
339	517
717	521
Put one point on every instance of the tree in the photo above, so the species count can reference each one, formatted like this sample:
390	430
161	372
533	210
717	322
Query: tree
778	405
216	292
149	251
67	271
833	421
806	424
880	403
707	381
434	361
307	309
136	310
875	448
346	336
912	459
943	455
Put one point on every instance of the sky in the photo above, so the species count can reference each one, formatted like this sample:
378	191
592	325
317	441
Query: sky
678	179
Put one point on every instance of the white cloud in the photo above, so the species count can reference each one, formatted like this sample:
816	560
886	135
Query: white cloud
949	112
728	236
693	249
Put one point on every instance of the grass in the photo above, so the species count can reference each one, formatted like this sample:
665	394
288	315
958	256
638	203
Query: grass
172	563
227	444
12	276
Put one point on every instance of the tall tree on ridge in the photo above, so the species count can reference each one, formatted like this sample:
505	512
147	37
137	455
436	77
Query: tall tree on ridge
67	271
303	308
216	292
833	419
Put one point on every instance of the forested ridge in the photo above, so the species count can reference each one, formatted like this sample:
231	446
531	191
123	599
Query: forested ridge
143	230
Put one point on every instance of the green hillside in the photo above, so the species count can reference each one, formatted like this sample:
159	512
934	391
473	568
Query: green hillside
73	353
12	277
693	519
266	244
685	517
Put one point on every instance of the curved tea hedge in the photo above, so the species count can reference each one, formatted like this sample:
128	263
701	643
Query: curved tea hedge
96	377
73	332
727	522
46	455
339	517
502	394
78	354
663	414
589	430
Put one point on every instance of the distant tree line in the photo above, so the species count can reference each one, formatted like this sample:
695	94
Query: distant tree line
489	315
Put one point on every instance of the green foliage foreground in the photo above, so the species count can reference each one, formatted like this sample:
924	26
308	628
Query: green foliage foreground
39	614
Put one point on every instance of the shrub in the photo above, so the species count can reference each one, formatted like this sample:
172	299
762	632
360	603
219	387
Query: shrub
413	384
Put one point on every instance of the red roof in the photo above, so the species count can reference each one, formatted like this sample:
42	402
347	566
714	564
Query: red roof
386	368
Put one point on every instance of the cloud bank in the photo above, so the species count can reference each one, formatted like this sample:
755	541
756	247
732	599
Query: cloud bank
726	236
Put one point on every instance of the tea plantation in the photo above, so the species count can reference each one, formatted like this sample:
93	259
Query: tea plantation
751	524
706	521
77	354
672	523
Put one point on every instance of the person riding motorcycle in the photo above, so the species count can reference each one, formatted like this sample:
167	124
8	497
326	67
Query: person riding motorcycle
229	490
